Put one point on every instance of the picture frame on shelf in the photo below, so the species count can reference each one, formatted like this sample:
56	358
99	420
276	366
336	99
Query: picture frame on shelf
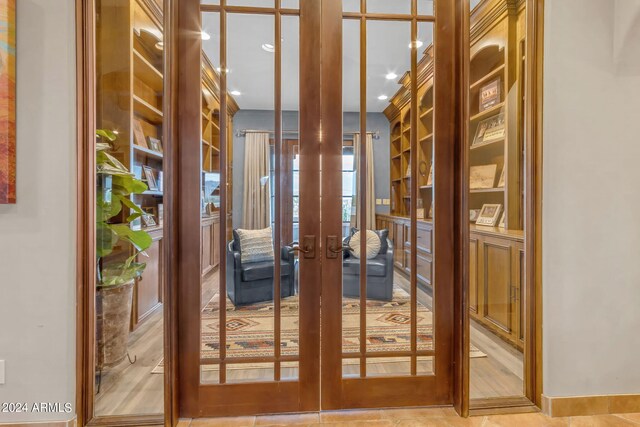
430	215
430	177
152	210
501	222
150	178
482	177
473	215
148	221
489	215
501	180
138	134
490	94
154	144
490	130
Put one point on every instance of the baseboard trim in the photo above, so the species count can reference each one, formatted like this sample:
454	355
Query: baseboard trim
590	405
70	423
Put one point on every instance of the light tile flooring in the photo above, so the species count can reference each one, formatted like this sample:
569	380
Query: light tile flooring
436	417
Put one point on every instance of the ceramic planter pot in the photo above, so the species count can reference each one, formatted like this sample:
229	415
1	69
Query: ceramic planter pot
113	318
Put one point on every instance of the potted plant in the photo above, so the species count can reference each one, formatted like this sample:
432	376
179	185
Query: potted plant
117	271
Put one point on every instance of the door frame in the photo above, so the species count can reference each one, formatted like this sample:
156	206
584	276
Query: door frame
85	229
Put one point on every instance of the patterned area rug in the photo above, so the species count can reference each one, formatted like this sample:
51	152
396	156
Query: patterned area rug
250	328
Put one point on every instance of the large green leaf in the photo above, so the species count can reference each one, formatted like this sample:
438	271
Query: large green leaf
126	184
140	239
106	239
106	134
120	273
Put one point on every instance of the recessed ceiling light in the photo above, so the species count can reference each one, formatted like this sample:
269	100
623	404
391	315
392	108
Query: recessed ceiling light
417	43
160	45
391	76
205	35
268	47
383	97
236	93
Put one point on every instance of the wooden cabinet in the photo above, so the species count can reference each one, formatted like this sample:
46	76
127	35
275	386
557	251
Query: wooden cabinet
400	234
496	281
210	251
147	294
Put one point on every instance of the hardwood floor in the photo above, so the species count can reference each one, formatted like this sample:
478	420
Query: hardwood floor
133	389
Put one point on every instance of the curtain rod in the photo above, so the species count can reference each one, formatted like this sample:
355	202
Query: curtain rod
244	132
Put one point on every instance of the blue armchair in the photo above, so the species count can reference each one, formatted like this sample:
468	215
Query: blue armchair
250	283
379	271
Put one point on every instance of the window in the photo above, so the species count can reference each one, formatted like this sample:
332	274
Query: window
291	192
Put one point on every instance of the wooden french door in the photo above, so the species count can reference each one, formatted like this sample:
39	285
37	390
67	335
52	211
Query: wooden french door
249	313
390	339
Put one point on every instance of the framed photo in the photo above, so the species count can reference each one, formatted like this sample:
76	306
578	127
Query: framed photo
148	221
501	223
501	180
490	130
138	134
474	214
150	177
489	215
490	94
430	211
154	144
8	102
482	177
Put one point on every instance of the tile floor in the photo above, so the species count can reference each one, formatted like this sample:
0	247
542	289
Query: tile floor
431	417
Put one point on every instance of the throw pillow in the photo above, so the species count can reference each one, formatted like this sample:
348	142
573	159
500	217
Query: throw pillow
373	244
256	245
382	234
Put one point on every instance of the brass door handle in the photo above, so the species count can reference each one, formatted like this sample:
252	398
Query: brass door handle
340	249
308	248
297	248
335	247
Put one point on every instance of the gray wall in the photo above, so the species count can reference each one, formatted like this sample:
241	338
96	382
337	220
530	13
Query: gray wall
37	236
262	119
591	231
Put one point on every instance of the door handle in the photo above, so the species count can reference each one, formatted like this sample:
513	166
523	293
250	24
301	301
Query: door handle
335	247
308	249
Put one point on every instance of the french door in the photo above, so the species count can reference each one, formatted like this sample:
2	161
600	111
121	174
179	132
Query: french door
302	127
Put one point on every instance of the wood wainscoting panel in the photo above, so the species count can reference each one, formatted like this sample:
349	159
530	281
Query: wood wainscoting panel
590	405
497	285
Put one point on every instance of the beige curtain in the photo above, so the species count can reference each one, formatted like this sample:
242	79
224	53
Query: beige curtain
370	202
256	207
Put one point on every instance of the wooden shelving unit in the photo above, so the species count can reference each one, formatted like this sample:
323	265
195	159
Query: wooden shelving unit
401	150
497	51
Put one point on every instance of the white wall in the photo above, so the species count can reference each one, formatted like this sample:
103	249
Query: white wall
37	236
591	229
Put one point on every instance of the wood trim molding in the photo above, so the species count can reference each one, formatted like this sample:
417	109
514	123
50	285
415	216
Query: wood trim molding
85	187
590	405
70	423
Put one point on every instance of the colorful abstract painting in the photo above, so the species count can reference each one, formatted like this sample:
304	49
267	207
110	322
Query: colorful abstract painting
7	101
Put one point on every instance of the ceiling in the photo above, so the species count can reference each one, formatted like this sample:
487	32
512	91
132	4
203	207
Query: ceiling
252	69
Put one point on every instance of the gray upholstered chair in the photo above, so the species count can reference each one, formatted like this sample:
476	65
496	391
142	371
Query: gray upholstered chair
249	283
379	271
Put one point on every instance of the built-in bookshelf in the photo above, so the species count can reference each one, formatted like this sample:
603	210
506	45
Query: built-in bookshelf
401	151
